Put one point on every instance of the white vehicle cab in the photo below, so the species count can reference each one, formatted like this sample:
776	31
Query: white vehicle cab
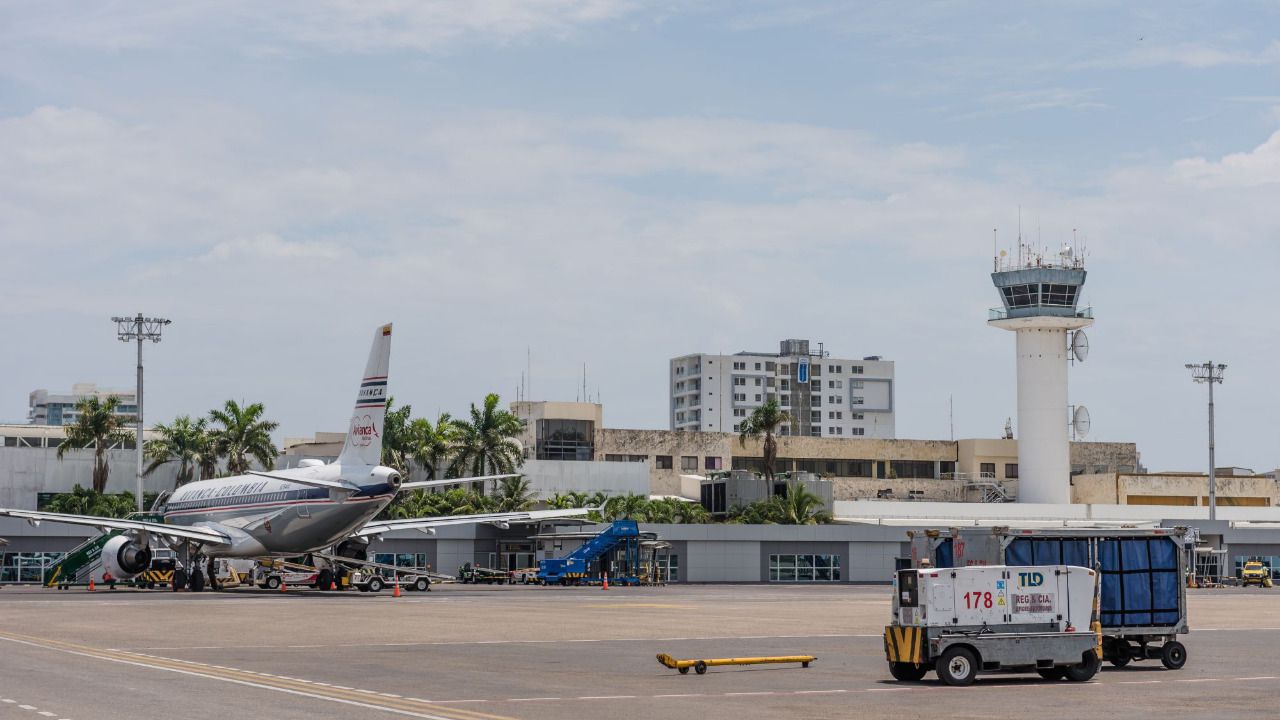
962	621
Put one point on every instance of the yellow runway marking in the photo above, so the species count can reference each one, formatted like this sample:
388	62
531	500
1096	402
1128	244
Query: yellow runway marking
627	606
347	696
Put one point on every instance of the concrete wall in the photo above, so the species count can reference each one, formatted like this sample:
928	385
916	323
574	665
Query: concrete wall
26	472
1172	489
652	443
721	561
549	477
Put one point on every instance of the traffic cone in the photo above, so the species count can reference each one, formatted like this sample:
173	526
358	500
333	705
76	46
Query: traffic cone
605	586
397	590
91	588
333	584
283	585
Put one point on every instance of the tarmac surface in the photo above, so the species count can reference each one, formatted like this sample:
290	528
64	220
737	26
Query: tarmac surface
482	653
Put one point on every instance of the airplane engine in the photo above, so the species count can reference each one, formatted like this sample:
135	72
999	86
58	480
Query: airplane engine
124	558
389	476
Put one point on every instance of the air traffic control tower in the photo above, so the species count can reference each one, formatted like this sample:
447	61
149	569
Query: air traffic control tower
1040	298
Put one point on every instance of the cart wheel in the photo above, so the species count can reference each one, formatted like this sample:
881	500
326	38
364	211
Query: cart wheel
375	584
1121	652
683	670
700	668
421	585
905	671
273	583
957	666
804	664
1086	669
1053	673
1173	655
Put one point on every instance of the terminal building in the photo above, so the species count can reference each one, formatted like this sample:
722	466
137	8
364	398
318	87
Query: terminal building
47	408
825	396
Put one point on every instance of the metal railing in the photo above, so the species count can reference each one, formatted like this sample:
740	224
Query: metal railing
1000	313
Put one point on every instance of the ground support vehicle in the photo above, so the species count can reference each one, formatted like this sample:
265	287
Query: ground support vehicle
959	622
469	573
1255	573
270	575
1143	601
369	579
587	564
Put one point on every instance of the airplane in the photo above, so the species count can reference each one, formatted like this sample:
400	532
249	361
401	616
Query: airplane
286	513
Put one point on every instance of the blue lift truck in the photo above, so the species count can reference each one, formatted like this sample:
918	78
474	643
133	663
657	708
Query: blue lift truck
585	565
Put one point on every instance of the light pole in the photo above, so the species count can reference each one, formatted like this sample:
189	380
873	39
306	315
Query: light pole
1209	373
139	328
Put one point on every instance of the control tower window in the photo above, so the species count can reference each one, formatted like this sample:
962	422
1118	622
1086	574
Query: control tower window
1016	296
1064	295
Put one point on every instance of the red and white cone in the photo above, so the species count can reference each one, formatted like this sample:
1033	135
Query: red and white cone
605	586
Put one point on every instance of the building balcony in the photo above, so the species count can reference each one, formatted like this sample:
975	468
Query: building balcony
1001	313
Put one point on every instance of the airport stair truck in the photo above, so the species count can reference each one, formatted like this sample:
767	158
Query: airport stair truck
1143	598
576	567
963	621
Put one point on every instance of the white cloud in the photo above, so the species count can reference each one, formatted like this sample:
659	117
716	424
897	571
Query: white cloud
322	25
1260	166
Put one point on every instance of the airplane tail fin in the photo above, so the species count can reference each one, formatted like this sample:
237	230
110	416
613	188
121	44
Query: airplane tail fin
364	435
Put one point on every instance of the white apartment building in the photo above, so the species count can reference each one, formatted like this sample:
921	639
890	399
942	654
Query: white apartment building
825	396
46	408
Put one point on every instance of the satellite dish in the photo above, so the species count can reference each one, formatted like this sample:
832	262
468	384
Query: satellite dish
1080	347
1080	422
1003	253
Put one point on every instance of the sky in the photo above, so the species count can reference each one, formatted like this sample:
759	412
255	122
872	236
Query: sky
611	183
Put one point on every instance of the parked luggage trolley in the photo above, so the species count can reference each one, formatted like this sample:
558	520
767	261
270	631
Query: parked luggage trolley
962	621
1143	602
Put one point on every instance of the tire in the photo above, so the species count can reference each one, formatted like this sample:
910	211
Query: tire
272	583
179	579
700	668
683	670
197	581
905	671
1121	652
957	666
1086	669
421	585
324	580
1173	655
375	584
1053	673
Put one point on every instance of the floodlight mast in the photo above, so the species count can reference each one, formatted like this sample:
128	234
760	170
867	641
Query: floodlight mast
139	328
1209	373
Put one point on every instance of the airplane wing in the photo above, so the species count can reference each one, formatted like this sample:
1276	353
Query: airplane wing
312	482
377	527
454	481
179	532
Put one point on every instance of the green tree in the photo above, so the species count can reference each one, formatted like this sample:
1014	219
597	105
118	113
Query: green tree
186	442
397	438
661	511
95	504
691	513
243	435
629	506
487	444
96	425
763	422
800	506
431	445
513	495
570	501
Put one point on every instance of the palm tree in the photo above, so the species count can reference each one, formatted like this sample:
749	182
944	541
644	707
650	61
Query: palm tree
690	513
396	437
487	444
243	435
186	442
514	494
629	506
764	421
430	445
98	425
800	506
569	501
87	502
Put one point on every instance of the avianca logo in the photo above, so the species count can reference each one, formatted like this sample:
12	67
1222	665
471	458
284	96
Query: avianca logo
363	431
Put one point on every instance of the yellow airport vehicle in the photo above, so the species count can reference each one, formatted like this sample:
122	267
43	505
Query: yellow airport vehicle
1255	573
700	666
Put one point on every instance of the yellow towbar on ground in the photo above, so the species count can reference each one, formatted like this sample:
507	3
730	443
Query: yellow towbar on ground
700	666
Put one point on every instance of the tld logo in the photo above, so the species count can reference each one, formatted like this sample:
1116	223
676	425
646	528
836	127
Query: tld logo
1030	579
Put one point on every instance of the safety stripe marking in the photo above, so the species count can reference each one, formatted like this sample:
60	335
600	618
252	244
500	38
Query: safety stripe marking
358	698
